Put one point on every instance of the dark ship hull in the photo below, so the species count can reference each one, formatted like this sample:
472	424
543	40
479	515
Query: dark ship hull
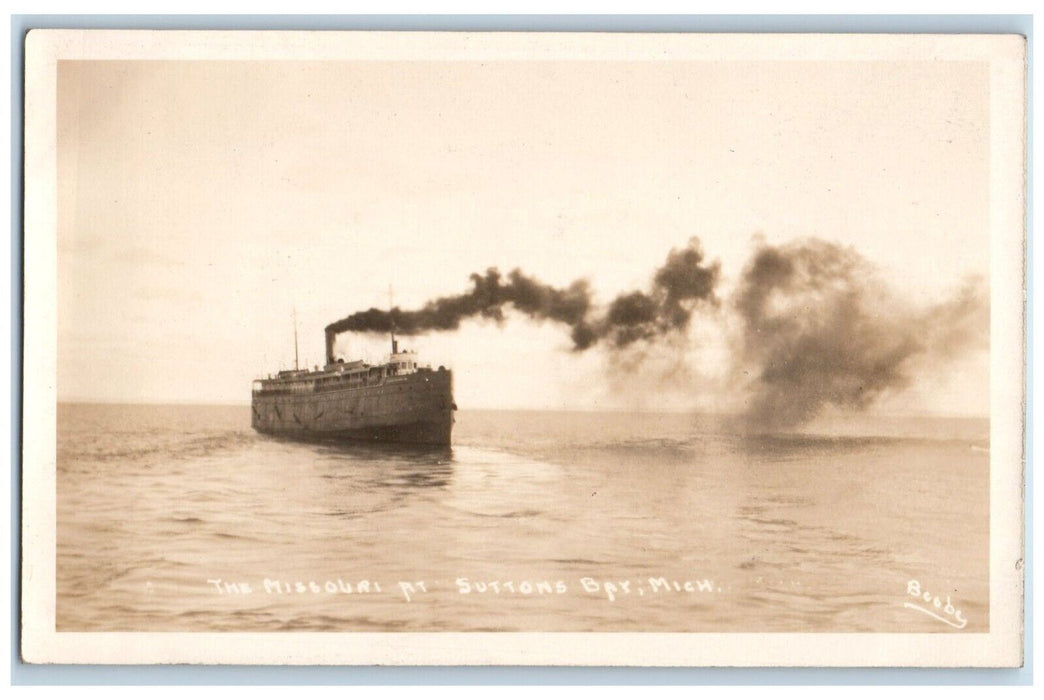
381	406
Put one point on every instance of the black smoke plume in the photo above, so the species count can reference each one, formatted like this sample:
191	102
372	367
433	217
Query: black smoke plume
810	324
819	327
676	288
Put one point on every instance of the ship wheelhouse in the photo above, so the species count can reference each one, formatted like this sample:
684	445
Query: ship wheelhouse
404	362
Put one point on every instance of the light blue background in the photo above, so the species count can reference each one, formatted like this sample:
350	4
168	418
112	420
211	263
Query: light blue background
26	674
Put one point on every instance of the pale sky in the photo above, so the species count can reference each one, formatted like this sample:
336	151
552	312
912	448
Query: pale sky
201	202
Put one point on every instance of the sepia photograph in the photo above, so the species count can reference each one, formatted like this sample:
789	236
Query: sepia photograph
716	339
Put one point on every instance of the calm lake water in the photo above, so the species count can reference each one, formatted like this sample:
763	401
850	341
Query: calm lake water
519	526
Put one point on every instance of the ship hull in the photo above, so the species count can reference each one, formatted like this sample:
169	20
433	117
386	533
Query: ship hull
406	409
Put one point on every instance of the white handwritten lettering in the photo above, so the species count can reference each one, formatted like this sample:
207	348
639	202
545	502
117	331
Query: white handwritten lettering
466	586
223	587
410	589
329	587
953	616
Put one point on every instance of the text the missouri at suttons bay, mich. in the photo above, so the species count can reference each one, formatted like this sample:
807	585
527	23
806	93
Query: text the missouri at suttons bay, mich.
609	589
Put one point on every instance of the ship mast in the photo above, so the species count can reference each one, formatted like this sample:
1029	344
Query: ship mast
391	319
297	363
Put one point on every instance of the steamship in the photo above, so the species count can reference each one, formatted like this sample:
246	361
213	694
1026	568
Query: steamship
400	401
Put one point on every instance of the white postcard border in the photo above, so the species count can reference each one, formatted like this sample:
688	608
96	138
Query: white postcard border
1002	646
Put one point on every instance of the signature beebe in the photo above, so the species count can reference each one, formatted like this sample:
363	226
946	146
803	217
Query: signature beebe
934	605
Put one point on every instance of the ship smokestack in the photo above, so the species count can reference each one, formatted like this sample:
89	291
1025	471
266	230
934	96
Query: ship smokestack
330	337
395	346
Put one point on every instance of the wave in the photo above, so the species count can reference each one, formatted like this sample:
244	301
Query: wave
116	447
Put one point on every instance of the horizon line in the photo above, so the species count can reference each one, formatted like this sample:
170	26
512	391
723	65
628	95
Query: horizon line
241	404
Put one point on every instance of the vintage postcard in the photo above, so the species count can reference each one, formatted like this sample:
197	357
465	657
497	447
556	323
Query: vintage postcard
479	348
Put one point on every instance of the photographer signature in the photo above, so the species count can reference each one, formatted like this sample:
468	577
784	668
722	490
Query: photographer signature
934	606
